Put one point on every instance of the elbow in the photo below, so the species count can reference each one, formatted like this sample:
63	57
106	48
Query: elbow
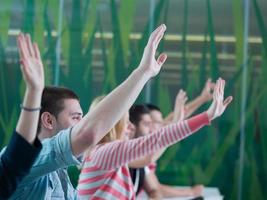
154	194
149	159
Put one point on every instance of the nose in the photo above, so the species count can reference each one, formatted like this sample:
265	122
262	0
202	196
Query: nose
130	130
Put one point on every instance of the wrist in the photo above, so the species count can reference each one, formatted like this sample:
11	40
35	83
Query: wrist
141	72
30	109
34	91
32	98
191	192
210	115
203	99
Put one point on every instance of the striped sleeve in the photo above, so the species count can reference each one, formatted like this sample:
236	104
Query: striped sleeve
118	153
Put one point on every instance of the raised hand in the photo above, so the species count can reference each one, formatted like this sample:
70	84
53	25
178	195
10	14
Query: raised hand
197	190
31	63
149	64
179	109
206	93
218	104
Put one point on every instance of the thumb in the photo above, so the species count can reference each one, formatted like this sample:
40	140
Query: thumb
162	58
227	101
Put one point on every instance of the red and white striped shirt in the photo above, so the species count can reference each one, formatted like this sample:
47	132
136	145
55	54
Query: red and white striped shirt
105	173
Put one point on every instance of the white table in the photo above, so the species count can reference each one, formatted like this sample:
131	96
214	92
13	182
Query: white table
209	193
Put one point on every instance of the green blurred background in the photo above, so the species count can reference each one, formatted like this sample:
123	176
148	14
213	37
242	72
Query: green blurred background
92	45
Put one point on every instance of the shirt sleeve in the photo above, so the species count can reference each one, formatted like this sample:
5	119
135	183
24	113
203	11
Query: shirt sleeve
55	154
16	161
115	154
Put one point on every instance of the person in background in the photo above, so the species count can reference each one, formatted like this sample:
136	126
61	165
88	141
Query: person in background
148	118
105	173
66	134
23	148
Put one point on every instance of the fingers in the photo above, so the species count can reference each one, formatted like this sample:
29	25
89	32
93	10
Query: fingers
160	36
209	85
215	92
25	70
36	51
181	94
185	100
161	59
22	46
25	46
208	82
29	45
219	92
223	86
181	97
156	36
221	89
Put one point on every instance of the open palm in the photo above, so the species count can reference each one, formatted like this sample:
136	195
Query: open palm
179	109
31	63
148	63
207	91
218	104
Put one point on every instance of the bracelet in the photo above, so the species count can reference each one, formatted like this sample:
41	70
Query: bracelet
30	109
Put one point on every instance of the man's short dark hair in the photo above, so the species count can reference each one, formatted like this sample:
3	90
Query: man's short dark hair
52	100
152	107
136	112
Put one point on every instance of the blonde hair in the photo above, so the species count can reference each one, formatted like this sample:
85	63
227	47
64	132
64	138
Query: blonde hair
116	132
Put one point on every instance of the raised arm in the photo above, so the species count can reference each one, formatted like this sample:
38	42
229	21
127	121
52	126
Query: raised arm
192	106
204	97
118	153
33	74
179	109
95	124
23	147
146	160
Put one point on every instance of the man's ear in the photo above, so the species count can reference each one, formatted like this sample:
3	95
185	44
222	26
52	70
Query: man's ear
47	120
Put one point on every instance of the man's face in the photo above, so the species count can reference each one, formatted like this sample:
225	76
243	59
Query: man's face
128	129
69	116
157	120
144	125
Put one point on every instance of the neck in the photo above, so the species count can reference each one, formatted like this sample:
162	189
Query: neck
45	134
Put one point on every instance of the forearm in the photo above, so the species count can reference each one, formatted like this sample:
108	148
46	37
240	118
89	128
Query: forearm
151	186
13	166
118	153
158	154
144	161
141	162
109	111
192	106
28	121
168	119
154	195
170	191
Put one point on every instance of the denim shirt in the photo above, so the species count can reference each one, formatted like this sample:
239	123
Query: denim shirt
48	177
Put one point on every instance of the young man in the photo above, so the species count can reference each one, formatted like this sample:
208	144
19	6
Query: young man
168	191
61	148
23	148
148	118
